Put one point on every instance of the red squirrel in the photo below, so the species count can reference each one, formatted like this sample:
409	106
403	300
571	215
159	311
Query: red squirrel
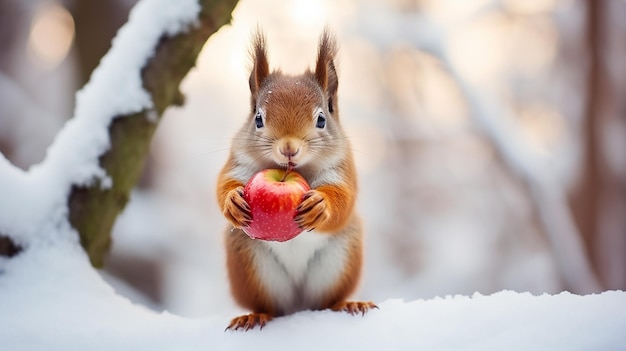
294	123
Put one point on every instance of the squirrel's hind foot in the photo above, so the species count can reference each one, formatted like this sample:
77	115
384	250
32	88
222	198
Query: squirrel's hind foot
354	307
249	321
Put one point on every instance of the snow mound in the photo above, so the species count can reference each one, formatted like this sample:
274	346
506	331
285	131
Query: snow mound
51	299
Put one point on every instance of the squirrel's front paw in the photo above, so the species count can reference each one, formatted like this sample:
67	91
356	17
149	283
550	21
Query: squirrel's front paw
236	209
312	212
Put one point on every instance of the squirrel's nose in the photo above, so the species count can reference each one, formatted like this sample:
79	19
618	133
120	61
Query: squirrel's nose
289	147
289	152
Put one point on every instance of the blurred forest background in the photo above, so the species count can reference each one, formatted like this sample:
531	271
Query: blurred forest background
490	139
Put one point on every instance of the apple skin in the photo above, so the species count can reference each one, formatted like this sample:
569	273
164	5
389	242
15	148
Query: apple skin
273	202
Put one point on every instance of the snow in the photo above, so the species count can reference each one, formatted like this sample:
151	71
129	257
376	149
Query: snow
51	299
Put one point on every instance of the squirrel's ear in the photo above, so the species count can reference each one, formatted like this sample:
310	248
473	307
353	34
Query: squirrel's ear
325	72
260	66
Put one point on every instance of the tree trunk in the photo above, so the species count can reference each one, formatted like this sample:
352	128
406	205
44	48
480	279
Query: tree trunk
585	199
96	23
598	200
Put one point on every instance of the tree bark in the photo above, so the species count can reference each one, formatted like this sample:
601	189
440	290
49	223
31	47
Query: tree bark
585	199
93	210
96	23
7	247
598	199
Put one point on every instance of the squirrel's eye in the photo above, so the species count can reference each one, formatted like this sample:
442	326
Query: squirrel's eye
258	120
321	120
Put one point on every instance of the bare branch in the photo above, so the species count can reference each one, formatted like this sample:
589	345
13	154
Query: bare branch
549	197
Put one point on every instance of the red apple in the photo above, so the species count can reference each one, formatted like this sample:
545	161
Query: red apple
273	198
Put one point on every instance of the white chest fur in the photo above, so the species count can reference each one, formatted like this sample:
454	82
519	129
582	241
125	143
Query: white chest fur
295	254
298	273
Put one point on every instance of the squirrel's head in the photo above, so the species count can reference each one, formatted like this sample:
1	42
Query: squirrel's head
293	119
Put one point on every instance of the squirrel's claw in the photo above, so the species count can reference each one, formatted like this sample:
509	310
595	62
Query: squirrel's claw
249	321
312	212
354	307
236	209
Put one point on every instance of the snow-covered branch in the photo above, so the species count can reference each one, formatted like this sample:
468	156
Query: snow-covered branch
98	156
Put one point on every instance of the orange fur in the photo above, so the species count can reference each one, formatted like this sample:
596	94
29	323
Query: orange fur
293	120
245	285
329	206
349	280
230	199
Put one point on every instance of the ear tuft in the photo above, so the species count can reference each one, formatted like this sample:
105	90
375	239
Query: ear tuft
260	66
325	72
